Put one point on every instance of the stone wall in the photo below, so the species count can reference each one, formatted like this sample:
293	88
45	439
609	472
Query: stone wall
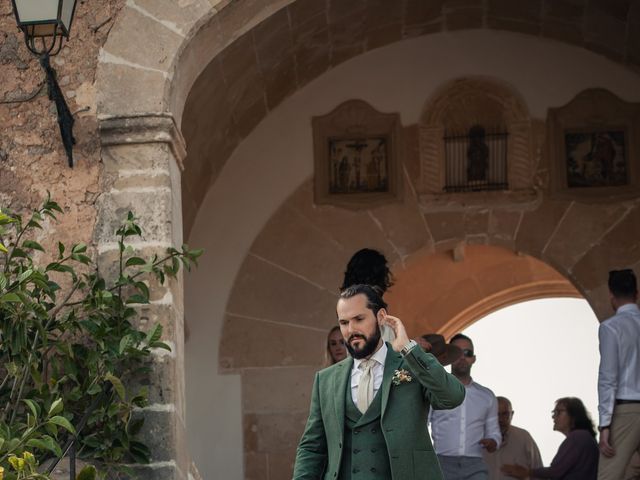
32	158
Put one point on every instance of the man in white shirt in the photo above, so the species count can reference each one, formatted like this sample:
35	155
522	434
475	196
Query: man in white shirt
461	435
619	377
517	447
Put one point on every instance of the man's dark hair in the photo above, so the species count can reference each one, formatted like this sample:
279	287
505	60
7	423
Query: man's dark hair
367	267
372	292
623	283
580	419
461	336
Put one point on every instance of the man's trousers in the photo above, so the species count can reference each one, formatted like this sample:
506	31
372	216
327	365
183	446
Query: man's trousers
624	437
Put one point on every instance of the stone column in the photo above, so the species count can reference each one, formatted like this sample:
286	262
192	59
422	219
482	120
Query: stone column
143	158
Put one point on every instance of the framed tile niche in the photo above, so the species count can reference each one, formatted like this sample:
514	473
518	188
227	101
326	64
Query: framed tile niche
594	146
357	160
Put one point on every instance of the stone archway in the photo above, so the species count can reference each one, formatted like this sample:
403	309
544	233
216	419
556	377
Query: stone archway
239	60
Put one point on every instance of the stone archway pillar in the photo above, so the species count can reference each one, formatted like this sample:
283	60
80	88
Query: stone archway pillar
143	158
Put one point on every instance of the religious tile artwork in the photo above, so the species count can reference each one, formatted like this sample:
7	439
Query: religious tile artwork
356	156
596	158
358	165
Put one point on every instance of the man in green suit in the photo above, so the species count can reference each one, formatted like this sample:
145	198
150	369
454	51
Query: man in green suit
368	413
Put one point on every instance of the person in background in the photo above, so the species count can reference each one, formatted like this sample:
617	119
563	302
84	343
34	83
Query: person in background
619	379
577	457
517	447
336	349
370	267
462	434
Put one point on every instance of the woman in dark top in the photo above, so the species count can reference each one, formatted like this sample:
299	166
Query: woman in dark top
577	457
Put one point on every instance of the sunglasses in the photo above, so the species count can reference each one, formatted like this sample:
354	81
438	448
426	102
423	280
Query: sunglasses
467	353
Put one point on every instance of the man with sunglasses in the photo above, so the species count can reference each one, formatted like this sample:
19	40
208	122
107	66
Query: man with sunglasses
463	434
619	378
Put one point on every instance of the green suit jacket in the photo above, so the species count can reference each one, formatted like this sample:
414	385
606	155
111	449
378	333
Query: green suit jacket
403	419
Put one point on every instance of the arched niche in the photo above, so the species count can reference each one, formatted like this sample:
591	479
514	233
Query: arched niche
458	106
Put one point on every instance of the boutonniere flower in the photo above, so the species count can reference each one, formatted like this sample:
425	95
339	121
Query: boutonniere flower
401	376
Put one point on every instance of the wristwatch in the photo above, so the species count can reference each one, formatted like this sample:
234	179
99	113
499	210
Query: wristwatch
407	348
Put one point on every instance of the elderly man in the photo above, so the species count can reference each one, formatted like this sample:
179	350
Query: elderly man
366	419
517	447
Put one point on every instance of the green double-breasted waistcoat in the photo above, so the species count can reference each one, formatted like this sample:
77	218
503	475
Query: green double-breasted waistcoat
404	406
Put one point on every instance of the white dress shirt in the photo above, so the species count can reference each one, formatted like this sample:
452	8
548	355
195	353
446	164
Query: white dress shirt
619	373
377	370
457	432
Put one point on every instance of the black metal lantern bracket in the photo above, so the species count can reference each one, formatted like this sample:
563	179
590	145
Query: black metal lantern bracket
44	46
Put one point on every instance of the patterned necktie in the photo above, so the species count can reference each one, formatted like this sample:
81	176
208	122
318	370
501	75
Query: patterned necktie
365	387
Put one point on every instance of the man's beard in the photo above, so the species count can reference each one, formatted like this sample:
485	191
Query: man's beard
368	348
460	370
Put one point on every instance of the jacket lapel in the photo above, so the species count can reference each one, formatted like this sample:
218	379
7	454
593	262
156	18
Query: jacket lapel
391	364
341	381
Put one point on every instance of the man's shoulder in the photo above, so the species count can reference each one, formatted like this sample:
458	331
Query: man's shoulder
485	391
335	368
630	313
519	432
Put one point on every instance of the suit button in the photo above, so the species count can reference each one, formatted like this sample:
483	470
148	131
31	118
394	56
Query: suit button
340	445
356	470
356	451
355	432
373	430
373	450
335	474
373	470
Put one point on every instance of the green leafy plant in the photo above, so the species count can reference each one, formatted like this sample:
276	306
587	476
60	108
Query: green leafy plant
72	356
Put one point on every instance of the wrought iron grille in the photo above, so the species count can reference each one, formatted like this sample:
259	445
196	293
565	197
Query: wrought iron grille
476	161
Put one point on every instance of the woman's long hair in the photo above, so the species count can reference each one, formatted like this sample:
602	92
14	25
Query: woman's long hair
580	418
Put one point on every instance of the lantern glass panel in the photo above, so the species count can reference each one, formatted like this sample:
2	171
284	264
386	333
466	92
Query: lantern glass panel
39	18
37	11
66	14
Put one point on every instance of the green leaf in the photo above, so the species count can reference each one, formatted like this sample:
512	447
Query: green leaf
137	298
93	389
144	289
79	248
135	261
62	422
3	249
160	345
3	281
24	275
60	250
87	473
56	407
10	298
37	443
125	342
117	385
154	334
33	245
46	443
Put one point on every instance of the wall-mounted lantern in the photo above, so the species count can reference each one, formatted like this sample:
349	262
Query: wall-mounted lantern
45	24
